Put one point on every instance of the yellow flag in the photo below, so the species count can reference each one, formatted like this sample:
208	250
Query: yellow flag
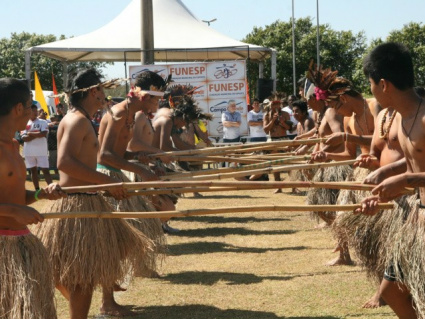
39	96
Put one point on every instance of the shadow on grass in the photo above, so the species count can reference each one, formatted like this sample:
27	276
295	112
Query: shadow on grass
209	278
219	247
223	219
223	231
204	312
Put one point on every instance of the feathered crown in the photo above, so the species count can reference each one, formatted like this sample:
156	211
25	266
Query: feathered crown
339	87
321	78
187	109
175	93
277	97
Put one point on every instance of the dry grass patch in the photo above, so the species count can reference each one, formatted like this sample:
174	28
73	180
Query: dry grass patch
248	265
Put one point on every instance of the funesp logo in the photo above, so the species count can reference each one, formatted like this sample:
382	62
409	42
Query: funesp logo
225	71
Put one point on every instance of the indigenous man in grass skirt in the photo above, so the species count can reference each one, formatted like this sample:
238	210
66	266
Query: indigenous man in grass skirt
87	252
26	282
358	130
389	68
369	236
327	122
115	132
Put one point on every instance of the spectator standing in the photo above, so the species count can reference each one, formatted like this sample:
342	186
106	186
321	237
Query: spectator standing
290	110
35	147
255	123
231	120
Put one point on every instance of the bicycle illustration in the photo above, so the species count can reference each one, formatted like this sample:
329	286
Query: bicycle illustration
225	71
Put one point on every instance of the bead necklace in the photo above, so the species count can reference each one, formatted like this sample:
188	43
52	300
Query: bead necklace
413	124
383	133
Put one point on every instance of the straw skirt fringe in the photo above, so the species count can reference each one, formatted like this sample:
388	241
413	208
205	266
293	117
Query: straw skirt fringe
26	283
151	227
88	252
408	252
321	196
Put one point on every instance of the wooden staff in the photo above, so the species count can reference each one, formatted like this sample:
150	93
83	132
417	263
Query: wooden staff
223	210
239	148
197	158
268	170
234	169
247	184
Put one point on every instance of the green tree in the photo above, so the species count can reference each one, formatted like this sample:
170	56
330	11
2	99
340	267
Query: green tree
412	35
12	59
340	50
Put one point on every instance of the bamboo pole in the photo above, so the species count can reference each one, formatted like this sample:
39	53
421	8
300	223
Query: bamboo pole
239	148
197	158
223	210
247	184
234	169
268	170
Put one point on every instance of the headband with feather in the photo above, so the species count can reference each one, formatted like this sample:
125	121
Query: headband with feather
321	78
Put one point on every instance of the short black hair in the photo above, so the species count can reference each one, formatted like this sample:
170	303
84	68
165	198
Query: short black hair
12	92
83	79
255	100
302	105
147	78
391	61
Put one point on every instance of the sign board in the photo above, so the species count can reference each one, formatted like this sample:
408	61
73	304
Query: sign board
216	83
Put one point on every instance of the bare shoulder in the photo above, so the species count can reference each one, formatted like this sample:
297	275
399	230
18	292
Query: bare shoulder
374	106
75	123
140	117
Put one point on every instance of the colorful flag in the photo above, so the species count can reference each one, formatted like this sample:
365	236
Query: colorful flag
55	91
39	96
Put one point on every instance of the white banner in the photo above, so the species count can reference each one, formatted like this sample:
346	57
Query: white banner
216	84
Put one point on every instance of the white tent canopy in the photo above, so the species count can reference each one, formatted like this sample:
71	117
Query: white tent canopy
178	36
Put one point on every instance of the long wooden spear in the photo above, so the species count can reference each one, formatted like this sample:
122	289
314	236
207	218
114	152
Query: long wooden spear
267	170
243	147
234	169
223	210
241	184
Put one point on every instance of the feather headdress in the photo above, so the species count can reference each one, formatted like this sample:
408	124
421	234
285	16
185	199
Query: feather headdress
339	87
321	78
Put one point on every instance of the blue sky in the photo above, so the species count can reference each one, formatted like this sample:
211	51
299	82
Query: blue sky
235	18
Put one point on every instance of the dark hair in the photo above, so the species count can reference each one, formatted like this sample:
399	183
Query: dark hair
81	80
390	61
302	105
12	92
420	91
33	106
188	111
255	100
147	78
341	86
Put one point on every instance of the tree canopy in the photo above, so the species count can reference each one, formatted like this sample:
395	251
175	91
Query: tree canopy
339	50
12	59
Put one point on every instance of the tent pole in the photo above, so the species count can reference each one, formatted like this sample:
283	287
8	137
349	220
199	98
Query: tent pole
65	74
146	27
28	67
273	68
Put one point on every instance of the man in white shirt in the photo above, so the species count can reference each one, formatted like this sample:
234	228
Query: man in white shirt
289	109
255	122
35	147
231	120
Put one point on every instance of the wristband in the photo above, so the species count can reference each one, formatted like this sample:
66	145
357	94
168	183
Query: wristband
37	192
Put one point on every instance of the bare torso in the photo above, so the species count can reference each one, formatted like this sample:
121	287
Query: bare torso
87	149
12	176
412	143
331	123
163	124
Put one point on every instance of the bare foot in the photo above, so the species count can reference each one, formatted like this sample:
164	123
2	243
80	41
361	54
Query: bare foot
277	191
119	288
117	310
337	248
374	302
321	226
340	261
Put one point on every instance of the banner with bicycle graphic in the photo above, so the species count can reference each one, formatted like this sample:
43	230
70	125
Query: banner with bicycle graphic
217	83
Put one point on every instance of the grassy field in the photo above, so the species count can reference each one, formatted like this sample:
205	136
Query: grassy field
265	265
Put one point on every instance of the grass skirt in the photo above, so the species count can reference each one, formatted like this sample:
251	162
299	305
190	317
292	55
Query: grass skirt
26	283
303	175
409	252
321	196
372	237
89	251
151	227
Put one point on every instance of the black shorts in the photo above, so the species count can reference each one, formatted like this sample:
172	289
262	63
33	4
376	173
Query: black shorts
390	273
